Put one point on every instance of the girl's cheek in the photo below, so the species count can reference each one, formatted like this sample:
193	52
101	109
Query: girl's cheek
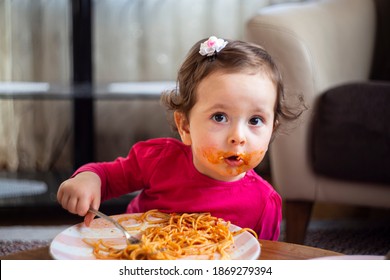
257	157
212	155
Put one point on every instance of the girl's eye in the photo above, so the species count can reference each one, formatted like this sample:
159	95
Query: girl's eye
219	118
256	121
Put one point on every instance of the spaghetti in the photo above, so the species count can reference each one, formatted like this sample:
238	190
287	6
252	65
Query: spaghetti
173	236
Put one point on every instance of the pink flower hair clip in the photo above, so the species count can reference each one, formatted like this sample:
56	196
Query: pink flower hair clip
212	46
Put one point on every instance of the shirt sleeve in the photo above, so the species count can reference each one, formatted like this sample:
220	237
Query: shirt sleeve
133	172
121	176
269	223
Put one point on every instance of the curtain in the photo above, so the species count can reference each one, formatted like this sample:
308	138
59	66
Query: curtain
34	47
152	37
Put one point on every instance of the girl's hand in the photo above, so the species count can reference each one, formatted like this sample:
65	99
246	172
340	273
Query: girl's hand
79	193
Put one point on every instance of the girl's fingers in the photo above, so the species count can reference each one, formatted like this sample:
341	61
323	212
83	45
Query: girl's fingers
88	218
95	204
72	205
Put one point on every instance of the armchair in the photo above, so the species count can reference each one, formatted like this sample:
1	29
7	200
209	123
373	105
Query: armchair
327	51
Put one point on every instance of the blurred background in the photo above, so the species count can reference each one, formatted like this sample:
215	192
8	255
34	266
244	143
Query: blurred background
80	81
131	41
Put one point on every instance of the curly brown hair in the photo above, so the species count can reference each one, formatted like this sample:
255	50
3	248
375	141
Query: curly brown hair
237	57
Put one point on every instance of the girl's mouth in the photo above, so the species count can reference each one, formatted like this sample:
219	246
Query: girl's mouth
234	160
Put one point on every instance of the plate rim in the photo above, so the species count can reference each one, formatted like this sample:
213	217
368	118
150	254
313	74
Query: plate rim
256	255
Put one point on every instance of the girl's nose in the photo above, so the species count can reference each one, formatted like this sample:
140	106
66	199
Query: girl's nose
237	136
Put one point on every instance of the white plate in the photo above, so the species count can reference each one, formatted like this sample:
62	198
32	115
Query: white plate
69	244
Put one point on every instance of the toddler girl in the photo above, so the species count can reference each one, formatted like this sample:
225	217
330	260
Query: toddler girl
226	107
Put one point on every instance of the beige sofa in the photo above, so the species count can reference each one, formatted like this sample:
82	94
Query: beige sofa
318	45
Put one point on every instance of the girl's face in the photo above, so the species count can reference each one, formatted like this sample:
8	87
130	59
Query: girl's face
230	126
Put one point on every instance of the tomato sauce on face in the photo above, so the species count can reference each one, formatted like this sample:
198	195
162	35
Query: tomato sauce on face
243	160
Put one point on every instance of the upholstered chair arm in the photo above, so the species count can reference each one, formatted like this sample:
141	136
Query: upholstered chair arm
317	45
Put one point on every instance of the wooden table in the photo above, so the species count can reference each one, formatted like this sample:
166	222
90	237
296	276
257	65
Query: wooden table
270	250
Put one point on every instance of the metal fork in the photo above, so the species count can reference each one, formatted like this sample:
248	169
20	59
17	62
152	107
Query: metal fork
129	238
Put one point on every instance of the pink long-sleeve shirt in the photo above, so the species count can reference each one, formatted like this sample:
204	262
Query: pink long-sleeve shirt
164	172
